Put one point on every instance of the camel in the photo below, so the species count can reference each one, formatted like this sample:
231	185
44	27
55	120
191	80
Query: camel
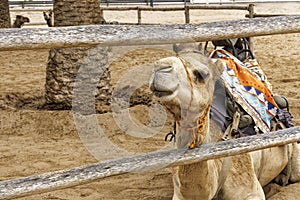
48	16
185	86
104	22
19	21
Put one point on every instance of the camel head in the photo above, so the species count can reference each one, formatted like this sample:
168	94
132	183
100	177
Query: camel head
102	20
48	16
185	85
19	21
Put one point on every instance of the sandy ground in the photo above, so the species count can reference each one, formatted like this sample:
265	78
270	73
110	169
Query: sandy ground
34	140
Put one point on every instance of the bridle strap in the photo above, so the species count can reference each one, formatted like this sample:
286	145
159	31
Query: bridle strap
189	78
200	123
198	130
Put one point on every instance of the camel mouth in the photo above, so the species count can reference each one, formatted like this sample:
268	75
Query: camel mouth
162	93
165	95
164	88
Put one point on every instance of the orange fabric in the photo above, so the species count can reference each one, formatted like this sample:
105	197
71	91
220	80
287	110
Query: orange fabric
247	78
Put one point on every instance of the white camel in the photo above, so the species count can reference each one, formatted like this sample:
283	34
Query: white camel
185	87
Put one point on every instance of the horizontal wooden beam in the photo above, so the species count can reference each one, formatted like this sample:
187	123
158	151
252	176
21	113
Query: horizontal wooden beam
219	7
176	8
265	15
127	8
143	163
160	8
115	35
120	8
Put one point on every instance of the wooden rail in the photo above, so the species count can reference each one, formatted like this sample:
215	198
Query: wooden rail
143	163
264	15
186	9
114	35
31	3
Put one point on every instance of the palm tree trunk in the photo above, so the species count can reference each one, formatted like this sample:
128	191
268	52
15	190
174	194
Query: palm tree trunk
78	78
4	14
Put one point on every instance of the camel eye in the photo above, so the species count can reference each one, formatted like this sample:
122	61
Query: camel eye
200	76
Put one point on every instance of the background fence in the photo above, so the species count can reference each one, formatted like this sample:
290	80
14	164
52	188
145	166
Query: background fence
186	9
39	3
46	5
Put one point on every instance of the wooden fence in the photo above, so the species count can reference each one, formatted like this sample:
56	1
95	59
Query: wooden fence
62	37
24	4
40	3
186	9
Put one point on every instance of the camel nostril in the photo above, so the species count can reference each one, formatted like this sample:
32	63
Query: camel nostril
164	69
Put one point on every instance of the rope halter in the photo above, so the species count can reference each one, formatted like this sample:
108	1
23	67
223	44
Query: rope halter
197	127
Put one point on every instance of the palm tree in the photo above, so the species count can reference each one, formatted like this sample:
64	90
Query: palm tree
4	14
84	64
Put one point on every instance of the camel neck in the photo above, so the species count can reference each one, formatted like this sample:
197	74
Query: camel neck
193	130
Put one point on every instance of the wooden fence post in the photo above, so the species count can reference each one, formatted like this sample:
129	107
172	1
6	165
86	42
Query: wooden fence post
187	14
251	15
101	12
139	14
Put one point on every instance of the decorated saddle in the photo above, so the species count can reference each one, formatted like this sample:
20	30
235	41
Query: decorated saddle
247	86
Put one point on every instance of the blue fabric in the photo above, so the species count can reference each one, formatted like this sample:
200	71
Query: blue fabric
249	98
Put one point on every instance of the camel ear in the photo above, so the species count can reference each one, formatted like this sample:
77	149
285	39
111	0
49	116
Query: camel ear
187	48
220	65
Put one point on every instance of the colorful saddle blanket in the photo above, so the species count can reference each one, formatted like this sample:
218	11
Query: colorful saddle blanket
249	87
